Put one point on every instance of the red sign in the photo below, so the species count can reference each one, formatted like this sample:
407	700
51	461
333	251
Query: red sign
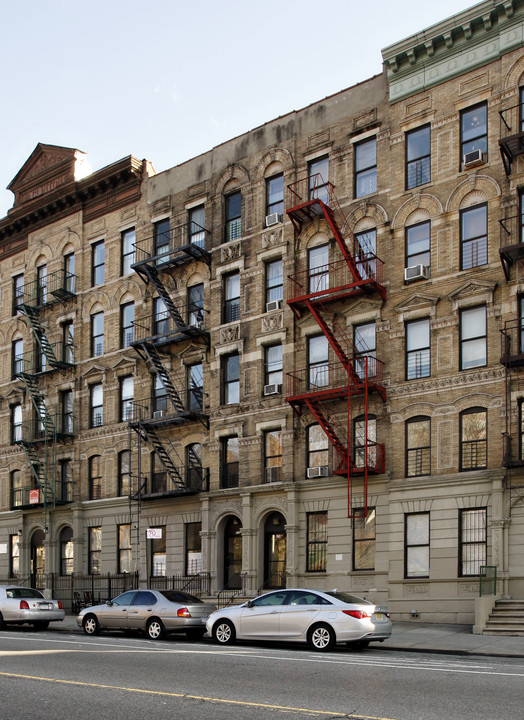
34	496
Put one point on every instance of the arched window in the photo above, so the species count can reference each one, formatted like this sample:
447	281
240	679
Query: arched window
95	477
418	446
66	551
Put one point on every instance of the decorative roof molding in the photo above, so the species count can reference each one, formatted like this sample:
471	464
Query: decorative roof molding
454	46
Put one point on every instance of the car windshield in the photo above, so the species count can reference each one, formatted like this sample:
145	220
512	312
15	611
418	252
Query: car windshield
348	598
177	596
23	593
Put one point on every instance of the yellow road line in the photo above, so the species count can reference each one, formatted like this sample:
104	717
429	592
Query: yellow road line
163	693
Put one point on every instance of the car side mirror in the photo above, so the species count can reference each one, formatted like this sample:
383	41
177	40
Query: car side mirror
109	602
249	603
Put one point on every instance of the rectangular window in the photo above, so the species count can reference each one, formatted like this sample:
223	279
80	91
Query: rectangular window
316	542
231	297
318	361
473	339
195	387
230	462
16	423
14	555
418	349
365	344
17	491
317	448
318	173
418	446
233	207
365	444
521	433
418	244
127	324
273	366
195	306
69	273
41	284
126	398
161	232
68	342
231	379
418	157
473	541
364	541
273	455
274	284
197	226
159	397
158	554
17	357
474	130
66	552
124	548
473	439
416	534
127	250
97	334
97	263
160	317
318	268
66	480
275	195
124	472
193	548
96	410
366	167
18	294
66	405
94	560
95	477
474	237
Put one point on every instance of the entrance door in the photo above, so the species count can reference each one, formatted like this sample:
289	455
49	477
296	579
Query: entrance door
275	551
37	559
232	553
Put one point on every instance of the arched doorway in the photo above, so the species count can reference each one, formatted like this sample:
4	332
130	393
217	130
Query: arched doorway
233	553
38	559
275	551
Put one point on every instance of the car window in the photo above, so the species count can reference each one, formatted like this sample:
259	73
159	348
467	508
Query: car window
125	599
144	597
177	596
23	593
349	598
277	598
302	597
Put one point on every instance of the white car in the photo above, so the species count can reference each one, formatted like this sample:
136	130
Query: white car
319	618
19	605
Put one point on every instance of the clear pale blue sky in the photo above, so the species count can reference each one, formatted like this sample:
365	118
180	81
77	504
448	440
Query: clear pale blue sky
168	79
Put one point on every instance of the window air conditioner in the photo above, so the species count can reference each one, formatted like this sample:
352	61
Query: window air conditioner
416	272
473	158
320	471
273	474
273	305
273	389
159	414
273	219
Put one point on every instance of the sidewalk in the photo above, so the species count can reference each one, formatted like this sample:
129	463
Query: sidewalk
418	637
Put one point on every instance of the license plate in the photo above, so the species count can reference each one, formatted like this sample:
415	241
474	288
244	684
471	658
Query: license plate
379	616
45	606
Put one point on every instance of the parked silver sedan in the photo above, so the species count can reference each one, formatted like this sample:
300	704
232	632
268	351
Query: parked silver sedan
156	612
19	605
319	618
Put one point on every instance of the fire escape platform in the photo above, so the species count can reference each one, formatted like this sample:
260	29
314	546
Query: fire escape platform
173	259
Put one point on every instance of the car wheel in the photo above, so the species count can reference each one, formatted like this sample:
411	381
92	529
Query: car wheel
224	632
321	637
41	625
2	623
155	629
195	634
90	625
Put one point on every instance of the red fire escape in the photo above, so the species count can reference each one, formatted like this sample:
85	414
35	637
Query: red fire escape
358	273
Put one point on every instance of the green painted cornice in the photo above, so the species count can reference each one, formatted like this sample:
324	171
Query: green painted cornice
457	45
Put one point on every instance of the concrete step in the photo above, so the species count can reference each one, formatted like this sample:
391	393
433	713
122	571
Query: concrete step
506	632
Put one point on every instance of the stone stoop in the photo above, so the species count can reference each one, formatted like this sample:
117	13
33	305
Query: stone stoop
506	618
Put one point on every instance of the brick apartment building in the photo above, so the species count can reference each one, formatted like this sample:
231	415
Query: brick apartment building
293	360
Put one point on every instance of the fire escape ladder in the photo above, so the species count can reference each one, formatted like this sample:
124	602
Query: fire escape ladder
149	433
334	429
152	275
152	354
43	415
39	332
39	471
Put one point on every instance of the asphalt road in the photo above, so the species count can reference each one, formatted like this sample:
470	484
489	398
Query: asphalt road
59	676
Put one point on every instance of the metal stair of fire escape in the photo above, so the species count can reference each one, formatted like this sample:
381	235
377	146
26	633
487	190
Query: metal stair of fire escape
155	360
149	432
40	335
150	273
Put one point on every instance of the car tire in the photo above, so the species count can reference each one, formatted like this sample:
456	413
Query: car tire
155	629
321	637
195	634
2	623
90	625
41	624
224	632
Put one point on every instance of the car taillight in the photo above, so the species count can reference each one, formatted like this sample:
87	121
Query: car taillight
60	606
359	614
24	605
183	612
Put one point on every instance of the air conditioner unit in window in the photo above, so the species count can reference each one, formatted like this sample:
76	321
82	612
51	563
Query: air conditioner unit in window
320	471
159	414
473	158
416	272
273	389
273	305
273	219
273	474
